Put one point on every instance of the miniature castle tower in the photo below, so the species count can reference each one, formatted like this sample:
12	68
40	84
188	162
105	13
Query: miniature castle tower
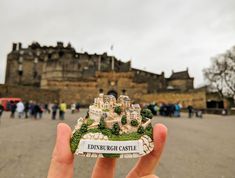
133	113
124	101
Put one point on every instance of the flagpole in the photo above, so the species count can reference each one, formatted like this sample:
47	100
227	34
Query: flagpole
111	48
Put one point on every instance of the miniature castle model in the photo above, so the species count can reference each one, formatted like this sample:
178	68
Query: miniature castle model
113	128
104	106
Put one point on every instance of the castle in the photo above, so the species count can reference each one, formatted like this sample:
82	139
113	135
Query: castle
61	73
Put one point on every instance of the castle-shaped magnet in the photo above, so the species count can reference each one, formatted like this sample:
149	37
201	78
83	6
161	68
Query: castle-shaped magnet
113	128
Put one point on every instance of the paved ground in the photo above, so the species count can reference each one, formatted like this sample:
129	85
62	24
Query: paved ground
195	148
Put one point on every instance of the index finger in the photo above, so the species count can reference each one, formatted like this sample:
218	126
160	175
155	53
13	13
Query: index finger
146	164
104	167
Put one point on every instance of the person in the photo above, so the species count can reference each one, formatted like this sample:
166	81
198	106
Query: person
73	108
156	108
20	109
190	111
13	109
26	110
199	113
78	107
37	111
224	112
47	109
54	111
62	161
63	108
177	110
1	109
31	109
41	110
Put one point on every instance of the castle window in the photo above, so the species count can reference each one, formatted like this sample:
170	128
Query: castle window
101	90
35	74
76	55
20	70
21	52
61	53
20	59
20	73
35	60
124	92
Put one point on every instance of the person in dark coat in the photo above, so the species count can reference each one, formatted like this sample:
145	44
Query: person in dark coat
36	111
1	110
54	109
13	109
190	111
26	110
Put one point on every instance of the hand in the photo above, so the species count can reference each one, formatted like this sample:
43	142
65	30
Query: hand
62	161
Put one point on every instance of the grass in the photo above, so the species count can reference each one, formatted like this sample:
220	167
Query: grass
75	139
90	121
111	155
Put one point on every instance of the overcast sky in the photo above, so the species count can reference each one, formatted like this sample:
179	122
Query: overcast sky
157	35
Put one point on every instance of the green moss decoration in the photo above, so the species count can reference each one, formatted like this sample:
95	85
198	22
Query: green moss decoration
111	155
140	130
123	120
101	124
116	129
90	121
149	131
144	119
74	141
118	110
134	123
107	132
83	128
149	127
146	113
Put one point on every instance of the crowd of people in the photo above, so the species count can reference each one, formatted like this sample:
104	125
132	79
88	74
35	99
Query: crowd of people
36	110
172	110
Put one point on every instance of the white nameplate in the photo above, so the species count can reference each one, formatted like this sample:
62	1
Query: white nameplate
95	146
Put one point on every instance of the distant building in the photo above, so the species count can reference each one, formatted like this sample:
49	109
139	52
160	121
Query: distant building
79	77
61	66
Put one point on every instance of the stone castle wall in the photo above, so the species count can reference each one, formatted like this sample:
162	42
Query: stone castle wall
181	83
29	93
85	94
196	98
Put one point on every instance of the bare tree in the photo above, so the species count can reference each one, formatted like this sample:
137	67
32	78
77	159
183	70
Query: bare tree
221	74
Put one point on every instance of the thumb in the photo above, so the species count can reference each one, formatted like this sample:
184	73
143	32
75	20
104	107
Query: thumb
62	158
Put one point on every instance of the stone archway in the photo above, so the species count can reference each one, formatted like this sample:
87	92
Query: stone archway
113	92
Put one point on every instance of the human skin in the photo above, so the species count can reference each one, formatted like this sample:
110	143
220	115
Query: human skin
62	162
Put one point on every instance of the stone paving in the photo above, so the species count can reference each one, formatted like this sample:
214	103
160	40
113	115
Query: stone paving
196	148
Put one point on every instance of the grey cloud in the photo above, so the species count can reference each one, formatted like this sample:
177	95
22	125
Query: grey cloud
158	35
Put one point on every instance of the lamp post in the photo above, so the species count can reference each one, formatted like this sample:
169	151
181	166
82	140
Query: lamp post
112	66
